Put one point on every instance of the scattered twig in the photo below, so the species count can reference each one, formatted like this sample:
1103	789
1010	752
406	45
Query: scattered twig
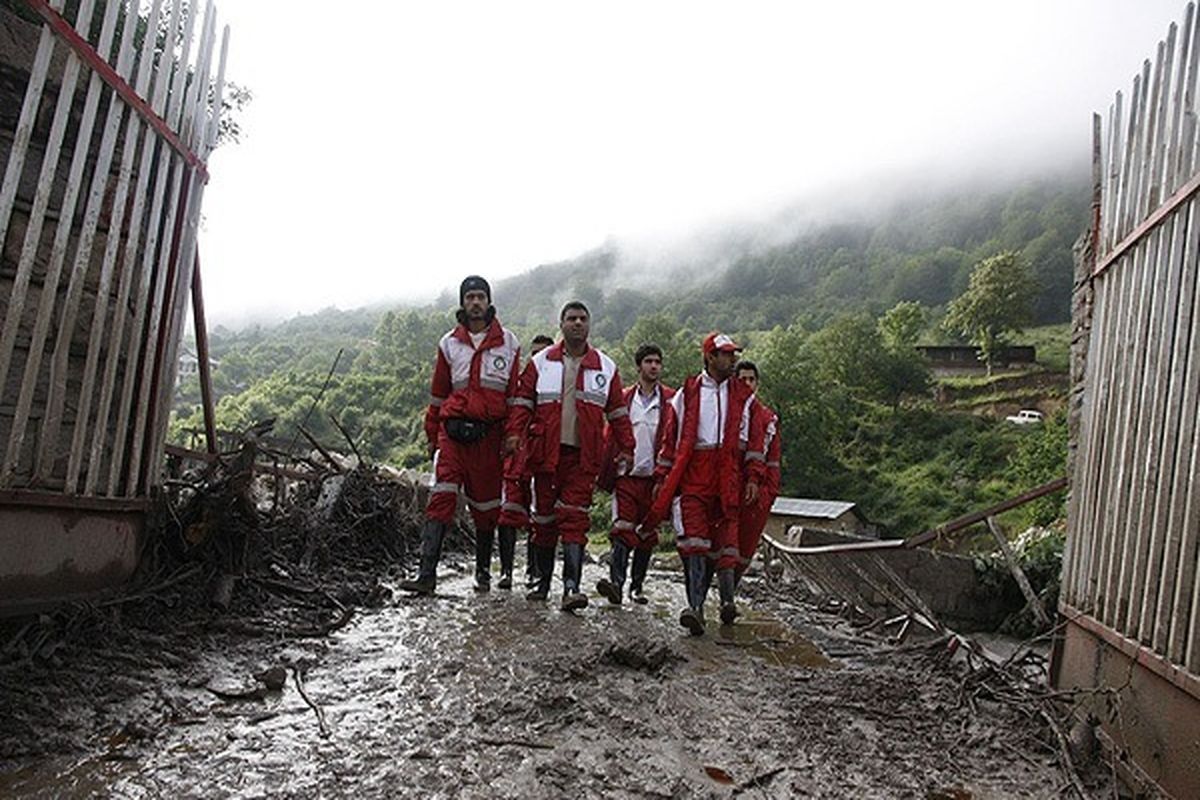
298	676
349	439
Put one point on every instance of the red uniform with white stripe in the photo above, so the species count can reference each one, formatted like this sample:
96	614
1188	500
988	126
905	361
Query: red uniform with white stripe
702	457
633	491
753	517
564	476
475	383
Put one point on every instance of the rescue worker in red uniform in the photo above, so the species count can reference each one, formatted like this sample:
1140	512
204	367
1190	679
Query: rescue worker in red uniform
514	500
474	381
633	489
566	395
753	517
701	464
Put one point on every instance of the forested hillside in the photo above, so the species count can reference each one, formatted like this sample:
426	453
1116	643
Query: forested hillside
917	248
830	314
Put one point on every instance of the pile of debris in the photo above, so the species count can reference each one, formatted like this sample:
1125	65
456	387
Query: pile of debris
255	541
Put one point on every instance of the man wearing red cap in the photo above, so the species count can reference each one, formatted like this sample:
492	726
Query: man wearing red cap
701	464
474	380
567	393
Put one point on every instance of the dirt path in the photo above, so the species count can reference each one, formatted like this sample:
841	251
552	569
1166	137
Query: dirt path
466	695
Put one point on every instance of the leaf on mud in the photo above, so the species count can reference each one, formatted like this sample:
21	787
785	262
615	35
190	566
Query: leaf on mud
719	775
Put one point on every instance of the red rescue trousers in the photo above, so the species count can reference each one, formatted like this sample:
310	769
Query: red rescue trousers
514	502
474	468
751	521
630	504
562	501
705	526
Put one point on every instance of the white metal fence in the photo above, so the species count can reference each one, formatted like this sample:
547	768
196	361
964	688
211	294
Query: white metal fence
103	177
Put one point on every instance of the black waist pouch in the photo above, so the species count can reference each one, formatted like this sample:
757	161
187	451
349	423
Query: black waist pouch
466	431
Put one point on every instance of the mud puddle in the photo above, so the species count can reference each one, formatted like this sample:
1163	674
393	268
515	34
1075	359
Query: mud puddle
466	695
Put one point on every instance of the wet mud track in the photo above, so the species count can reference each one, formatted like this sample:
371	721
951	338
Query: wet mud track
465	695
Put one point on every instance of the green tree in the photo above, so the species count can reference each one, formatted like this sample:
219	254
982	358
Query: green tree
902	324
998	301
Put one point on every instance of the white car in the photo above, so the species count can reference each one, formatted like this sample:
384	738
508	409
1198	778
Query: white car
1026	416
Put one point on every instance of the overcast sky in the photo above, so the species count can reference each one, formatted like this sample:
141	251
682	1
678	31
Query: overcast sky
393	147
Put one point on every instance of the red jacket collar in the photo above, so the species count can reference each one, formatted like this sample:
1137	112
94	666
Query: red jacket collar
590	360
493	334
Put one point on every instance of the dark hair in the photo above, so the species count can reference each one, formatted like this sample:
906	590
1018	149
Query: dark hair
746	363
647	349
574	304
541	338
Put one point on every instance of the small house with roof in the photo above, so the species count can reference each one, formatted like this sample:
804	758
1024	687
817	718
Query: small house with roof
828	515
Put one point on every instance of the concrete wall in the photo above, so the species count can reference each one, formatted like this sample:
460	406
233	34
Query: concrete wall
946	582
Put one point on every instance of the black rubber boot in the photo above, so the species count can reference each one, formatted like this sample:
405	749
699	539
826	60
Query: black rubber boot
613	587
692	617
573	599
431	552
543	558
483	560
726	585
531	567
641	563
508	547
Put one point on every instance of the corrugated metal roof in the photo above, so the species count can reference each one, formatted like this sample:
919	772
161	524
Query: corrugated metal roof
803	507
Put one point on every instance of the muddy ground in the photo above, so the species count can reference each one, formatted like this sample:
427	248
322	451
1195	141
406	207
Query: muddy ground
466	695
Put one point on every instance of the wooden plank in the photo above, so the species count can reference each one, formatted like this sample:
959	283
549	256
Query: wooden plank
130	276
108	264
1113	432
166	164
41	202
1162	338
1178	568
1014	566
1148	179
196	133
1099	380
1140	432
58	254
1113	176
1125	181
1188	128
1177	430
167	246
48	449
24	130
1175	143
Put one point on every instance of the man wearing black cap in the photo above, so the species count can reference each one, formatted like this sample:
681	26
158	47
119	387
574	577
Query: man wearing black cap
474	378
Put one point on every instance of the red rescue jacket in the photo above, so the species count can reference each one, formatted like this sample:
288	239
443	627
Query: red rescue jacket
473	383
537	409
680	461
774	447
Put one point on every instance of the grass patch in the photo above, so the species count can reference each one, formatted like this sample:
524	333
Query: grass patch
1053	343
